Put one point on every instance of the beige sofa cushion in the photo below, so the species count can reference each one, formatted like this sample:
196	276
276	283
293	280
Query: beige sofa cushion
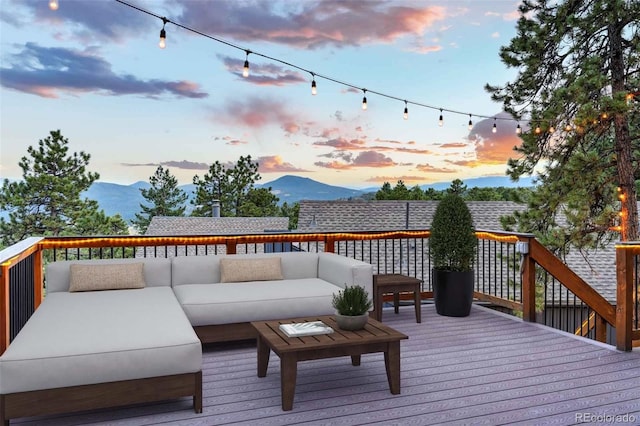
241	270
117	276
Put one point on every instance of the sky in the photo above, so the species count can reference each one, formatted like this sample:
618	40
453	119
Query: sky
93	70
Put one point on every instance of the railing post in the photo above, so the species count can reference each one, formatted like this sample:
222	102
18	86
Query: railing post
4	308
601	329
329	245
528	285
231	247
624	298
38	283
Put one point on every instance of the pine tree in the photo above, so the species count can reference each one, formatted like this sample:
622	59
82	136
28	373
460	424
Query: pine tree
579	66
164	197
228	185
47	201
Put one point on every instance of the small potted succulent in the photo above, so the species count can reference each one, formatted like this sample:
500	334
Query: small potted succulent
352	307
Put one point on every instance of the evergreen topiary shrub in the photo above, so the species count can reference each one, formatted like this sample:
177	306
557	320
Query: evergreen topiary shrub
453	240
352	301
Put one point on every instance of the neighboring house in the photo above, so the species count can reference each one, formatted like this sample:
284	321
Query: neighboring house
175	225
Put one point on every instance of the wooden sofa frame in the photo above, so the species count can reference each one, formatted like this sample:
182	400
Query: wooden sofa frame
101	395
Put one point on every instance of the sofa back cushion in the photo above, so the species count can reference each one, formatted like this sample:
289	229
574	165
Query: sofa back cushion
240	270
206	269
157	271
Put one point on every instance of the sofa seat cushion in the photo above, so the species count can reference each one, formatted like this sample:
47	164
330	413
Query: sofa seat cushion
226	303
98	337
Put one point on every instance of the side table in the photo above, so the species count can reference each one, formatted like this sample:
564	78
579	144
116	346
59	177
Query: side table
395	283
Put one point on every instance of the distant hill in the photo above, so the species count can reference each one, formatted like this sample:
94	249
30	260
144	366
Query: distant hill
294	188
126	199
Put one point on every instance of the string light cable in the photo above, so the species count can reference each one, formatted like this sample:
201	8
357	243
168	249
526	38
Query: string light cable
315	75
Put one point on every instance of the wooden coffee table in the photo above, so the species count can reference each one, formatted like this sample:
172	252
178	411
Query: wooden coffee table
375	337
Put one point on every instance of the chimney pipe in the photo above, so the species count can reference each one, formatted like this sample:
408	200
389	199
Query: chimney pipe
215	208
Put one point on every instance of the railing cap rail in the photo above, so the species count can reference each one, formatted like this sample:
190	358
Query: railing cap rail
18	248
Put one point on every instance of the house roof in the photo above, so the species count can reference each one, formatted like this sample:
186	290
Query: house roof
173	225
384	215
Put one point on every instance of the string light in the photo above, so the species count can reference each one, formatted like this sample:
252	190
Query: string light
53	4
406	111
163	34
245	69
518	129
568	128
495	127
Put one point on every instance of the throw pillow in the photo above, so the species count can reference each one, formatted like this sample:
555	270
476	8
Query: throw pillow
239	270
115	276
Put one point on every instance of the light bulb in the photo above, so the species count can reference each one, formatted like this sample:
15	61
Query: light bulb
538	130
605	115
314	89
470	122
518	129
440	120
495	127
53	4
568	128
551	129
364	99
406	111
245	69
163	39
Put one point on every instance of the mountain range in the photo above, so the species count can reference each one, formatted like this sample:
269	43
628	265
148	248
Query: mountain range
126	199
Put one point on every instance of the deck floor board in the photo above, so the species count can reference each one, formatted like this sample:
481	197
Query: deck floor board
487	368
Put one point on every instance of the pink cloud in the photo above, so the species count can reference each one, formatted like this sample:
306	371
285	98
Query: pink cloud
313	24
431	169
274	163
258	112
364	159
342	144
495	148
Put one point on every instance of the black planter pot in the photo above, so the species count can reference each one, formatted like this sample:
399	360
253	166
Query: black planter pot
452	292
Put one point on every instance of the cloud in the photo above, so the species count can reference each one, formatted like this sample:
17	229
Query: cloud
494	148
495	34
46	72
274	163
342	144
363	159
311	25
431	169
231	141
454	145
86	21
263	74
256	112
184	164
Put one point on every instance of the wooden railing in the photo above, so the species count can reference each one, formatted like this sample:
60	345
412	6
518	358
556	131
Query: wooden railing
507	269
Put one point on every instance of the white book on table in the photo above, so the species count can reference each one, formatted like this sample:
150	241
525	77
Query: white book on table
300	329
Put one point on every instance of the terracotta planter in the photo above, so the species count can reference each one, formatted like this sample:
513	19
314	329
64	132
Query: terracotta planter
452	292
351	323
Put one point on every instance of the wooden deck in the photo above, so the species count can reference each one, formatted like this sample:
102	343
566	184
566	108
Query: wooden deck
487	369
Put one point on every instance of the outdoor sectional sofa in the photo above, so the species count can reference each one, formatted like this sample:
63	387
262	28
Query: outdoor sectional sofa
124	331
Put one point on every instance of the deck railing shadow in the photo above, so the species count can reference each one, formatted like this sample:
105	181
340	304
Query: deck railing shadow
513	273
